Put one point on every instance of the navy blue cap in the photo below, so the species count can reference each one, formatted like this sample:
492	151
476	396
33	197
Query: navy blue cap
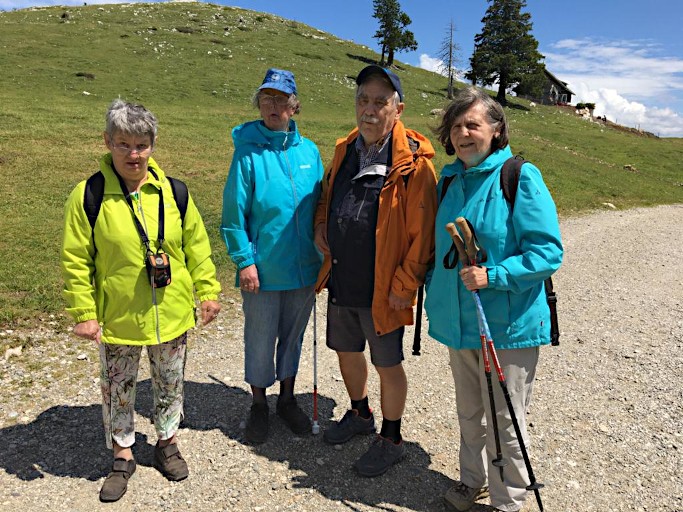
279	79
373	69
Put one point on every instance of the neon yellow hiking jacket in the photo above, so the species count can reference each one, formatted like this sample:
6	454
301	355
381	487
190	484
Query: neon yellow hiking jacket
104	271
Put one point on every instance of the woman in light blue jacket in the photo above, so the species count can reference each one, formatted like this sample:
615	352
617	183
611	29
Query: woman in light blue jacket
523	248
268	206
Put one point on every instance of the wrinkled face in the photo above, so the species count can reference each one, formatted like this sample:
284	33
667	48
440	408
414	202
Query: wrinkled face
376	111
472	136
274	109
130	154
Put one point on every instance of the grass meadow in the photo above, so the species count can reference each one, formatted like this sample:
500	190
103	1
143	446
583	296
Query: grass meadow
196	67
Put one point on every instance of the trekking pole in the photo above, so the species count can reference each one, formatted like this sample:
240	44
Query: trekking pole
467	259
533	484
315	428
418	321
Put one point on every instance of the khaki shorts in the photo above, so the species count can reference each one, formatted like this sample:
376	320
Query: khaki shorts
349	328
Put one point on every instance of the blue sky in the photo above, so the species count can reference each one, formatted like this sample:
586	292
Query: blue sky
624	55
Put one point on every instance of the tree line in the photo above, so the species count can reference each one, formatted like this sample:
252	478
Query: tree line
505	51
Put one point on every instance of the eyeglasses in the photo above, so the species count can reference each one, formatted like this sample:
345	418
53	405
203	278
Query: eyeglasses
125	149
278	101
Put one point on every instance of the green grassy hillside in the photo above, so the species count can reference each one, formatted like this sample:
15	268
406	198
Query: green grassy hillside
196	66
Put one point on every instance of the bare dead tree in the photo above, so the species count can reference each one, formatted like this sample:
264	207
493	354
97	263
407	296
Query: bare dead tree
448	55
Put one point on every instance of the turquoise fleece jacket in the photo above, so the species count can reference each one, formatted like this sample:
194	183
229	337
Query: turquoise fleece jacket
523	250
106	279
269	202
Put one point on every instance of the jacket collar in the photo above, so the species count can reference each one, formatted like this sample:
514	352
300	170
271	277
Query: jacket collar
402	156
256	132
491	163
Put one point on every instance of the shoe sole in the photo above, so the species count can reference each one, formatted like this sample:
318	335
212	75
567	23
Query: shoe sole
168	476
112	500
298	432
379	473
452	506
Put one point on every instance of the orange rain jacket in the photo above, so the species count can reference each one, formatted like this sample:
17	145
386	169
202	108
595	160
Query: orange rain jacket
405	224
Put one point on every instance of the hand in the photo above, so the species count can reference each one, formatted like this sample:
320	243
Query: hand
321	239
398	303
209	309
474	278
90	330
249	279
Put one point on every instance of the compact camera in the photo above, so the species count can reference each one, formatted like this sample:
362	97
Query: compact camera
158	269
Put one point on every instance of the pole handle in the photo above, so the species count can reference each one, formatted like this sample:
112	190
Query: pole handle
469	239
459	245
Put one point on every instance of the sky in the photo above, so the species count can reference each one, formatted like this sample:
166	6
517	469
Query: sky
626	56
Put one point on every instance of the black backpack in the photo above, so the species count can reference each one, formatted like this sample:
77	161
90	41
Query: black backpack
509	181
94	193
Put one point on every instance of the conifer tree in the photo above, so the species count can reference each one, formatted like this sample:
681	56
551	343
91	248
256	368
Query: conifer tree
392	34
505	51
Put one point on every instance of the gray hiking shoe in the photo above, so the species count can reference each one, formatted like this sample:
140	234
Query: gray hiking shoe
350	425
382	454
462	497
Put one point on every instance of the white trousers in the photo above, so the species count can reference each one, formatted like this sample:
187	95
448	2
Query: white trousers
477	441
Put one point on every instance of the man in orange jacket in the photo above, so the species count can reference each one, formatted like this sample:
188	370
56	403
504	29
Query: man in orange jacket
375	226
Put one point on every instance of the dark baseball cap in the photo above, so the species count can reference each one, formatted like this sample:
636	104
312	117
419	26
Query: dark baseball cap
373	69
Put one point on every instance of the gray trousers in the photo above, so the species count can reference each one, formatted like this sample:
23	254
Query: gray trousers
477	442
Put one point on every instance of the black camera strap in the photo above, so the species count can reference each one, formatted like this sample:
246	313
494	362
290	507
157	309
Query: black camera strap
138	225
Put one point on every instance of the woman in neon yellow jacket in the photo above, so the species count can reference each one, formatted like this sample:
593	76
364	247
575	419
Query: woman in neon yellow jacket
122	294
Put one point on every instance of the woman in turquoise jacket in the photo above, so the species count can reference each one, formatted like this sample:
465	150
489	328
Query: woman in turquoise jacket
269	202
117	304
523	248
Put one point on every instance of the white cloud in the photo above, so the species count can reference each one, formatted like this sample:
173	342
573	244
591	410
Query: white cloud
627	80
430	63
436	65
608	102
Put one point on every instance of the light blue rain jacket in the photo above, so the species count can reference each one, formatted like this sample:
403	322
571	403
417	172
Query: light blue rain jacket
269	202
523	249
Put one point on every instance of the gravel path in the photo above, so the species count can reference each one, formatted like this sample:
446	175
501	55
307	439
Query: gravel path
605	420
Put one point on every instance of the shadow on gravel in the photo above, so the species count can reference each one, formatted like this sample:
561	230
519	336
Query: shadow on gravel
62	441
68	441
329	472
326	469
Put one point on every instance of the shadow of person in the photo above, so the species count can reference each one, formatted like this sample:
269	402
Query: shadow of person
65	441
323	468
68	441
329	471
216	405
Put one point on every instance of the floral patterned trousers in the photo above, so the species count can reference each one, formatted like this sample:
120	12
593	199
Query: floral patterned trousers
118	377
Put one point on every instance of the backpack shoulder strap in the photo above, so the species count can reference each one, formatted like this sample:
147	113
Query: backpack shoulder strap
181	196
509	178
444	187
92	199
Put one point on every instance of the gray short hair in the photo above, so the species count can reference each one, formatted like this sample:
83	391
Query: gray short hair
292	103
131	119
385	80
464	100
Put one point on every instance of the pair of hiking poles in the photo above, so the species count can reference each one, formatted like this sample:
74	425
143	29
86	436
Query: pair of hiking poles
468	251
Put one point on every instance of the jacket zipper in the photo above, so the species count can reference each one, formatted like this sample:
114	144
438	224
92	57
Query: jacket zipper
138	200
296	204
